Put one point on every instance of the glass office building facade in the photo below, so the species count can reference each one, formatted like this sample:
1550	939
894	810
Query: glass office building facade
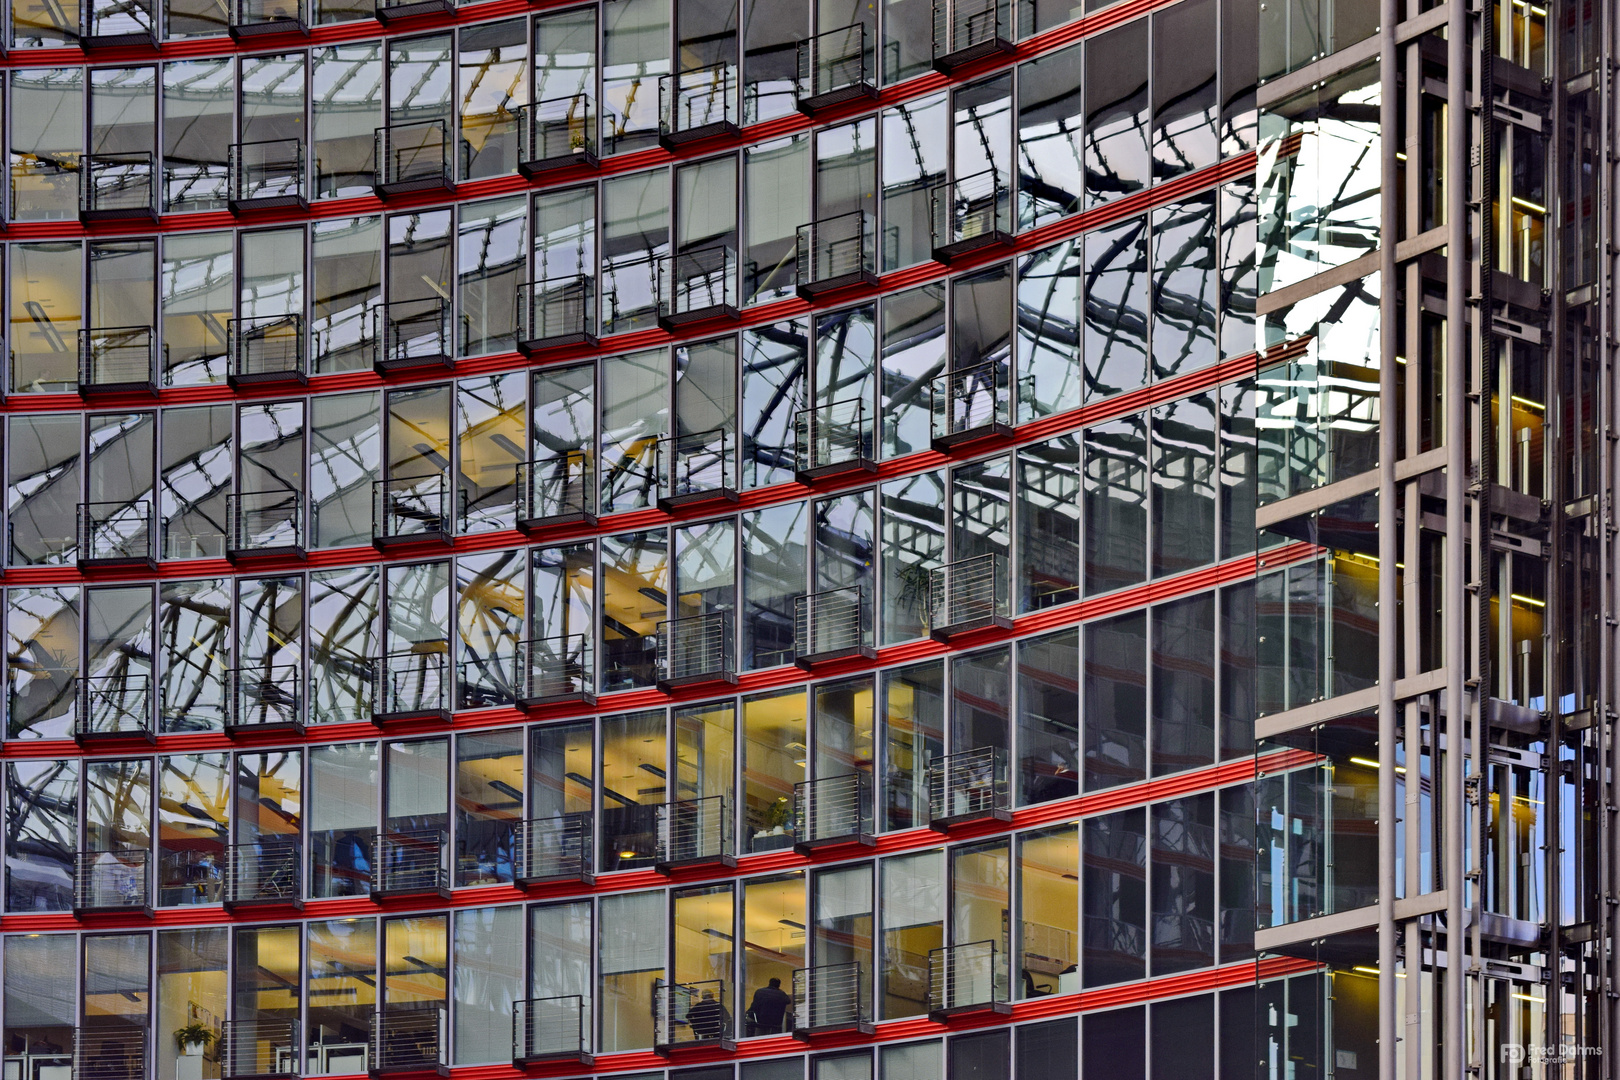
753	540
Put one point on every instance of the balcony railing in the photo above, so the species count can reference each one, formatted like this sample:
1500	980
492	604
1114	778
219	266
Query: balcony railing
413	685
965	978
413	334
414	156
264	698
836	252
967	786
555	669
116	879
556	311
557	848
266	349
105	1053
551	1029
263	523
697	285
117	186
106	24
834	66
118	359
831	624
831	998
556	490
695	466
409	1038
971	213
697	104
695	649
259	1050
252	17
833	810
971	403
691	1015
968	595
695	831
117	533
834	438
269	173
266	872
410	508
410	863
965	30
114	706
556	133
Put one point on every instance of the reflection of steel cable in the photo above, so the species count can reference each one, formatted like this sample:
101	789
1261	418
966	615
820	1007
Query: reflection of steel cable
48	328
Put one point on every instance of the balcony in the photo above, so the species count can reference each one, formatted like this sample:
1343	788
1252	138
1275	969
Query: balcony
834	439
264	874
118	360
697	104
263	523
111	24
114	186
264	698
555	312
412	335
389	10
266	349
557	133
414	156
410	508
696	649
831	625
971	403
556	848
832	998
970	785
968	595
102	1053
971	213
558	490
114	707
413	685
117	534
969	30
409	1039
834	67
412	863
117	880
965	979
693	832
551	1029
555	669
691	1016
695	467
262	1049
270	173
833	810
697	285
836	253
251	18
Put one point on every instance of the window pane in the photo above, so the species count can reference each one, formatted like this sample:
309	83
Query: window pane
488	978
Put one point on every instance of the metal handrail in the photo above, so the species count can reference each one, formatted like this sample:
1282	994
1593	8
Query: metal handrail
963	976
416	153
972	210
556	309
833	807
692	1012
263	521
971	399
114	1052
694	830
695	647
833	62
413	331
838	248
559	847
408	1038
831	622
264	696
267	871
259	1047
410	861
555	488
266	14
553	1027
701	280
118	356
114	705
961	25
830	996
116	531
118	183
557	130
968	783
112	879
413	681
968	592
410	505
697	99
554	667
265	346
838	433
268	172
694	463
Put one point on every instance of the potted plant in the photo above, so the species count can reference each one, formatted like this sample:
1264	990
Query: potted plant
194	1039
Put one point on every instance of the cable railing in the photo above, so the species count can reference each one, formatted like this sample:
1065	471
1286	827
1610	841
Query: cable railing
263	698
265	348
413	862
697	648
413	683
556	311
963	978
556	848
833	67
556	490
695	465
968	594
409	1038
107	24
270	172
696	285
551	1029
695	831
833	997
260	1049
833	438
687	1014
413	156
268	871
698	103
968	784
263	523
836	252
970	213
116	533
831	624
413	334
410	508
556	133
112	879
966	30
118	358
971	403
117	186
112	706
555	669
833	809
252	17
115	1052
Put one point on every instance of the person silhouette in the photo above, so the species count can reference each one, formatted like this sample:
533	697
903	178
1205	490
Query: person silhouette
768	1008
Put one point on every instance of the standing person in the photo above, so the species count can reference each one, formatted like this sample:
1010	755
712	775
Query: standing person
768	1008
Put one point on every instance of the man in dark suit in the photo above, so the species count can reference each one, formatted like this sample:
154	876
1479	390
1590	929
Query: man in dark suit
768	1008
